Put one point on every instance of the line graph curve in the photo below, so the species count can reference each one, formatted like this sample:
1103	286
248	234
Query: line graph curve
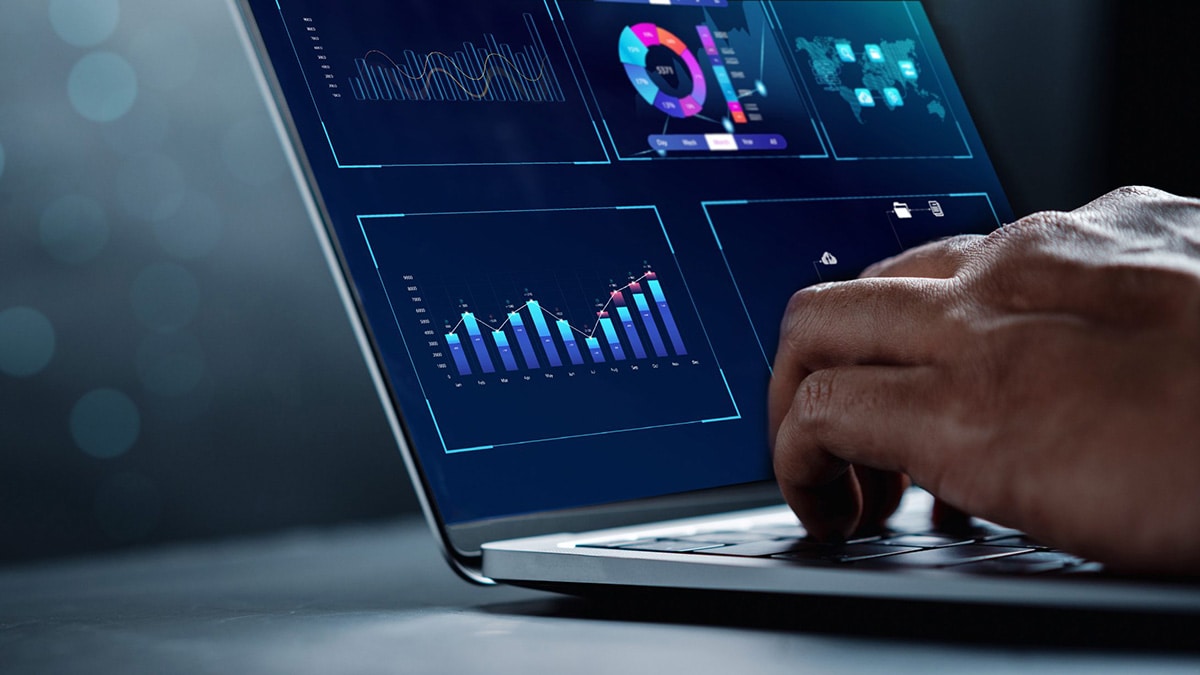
494	71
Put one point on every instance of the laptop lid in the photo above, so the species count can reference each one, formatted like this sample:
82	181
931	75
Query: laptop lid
566	229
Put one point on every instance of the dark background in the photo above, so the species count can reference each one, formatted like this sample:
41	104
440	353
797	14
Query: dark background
174	361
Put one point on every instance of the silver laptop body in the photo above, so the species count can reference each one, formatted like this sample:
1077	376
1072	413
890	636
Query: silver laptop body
431	137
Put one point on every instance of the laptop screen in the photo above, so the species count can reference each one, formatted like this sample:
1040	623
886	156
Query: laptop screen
572	226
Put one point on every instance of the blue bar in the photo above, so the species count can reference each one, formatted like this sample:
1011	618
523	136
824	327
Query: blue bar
665	312
564	329
539	321
485	360
614	343
506	355
456	350
593	346
523	340
631	332
651	328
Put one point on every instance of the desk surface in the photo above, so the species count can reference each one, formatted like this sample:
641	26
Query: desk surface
373	599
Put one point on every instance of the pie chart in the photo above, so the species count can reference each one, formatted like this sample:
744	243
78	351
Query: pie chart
635	44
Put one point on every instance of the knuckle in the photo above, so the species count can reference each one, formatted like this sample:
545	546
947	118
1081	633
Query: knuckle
813	403
804	304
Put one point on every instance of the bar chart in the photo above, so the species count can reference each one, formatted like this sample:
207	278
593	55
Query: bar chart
535	337
564	343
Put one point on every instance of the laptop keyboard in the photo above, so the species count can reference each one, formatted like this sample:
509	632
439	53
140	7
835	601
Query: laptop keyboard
982	550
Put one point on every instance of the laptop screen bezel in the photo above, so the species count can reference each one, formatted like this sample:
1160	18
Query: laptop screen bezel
461	543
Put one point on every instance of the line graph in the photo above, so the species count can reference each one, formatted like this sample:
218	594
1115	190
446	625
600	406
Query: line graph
495	72
398	84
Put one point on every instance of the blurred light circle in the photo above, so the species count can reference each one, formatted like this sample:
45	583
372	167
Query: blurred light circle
84	23
194	231
74	228
26	341
170	365
165	297
151	186
128	506
102	86
252	152
165	53
105	423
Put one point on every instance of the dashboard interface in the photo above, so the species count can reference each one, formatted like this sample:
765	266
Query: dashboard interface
573	226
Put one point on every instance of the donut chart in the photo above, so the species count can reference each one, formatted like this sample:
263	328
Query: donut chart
636	42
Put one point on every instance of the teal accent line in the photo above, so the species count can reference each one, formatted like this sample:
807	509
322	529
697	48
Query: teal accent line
368	241
731	398
721	419
435	425
713	229
478	447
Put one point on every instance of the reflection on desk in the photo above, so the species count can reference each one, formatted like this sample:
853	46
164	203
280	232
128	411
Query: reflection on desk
379	599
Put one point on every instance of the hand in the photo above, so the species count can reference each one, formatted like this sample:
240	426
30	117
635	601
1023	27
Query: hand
1046	377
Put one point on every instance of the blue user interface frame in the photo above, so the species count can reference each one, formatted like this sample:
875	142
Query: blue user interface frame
572	226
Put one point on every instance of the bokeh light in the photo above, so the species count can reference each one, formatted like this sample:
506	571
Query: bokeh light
105	423
27	341
84	23
102	86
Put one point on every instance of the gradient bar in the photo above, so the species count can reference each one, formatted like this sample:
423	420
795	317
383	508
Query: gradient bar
564	329
627	322
722	74
485	360
593	346
460	357
506	355
523	340
665	312
660	349
539	322
610	334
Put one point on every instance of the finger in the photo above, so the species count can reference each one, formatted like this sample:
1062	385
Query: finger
940	259
874	416
949	518
881	321
881	494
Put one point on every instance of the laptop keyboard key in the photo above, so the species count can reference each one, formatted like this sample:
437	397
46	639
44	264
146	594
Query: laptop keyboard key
669	546
1037	562
925	540
760	549
729	537
842	552
1018	541
946	556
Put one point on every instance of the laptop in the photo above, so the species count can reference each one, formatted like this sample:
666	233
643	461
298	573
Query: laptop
565	232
